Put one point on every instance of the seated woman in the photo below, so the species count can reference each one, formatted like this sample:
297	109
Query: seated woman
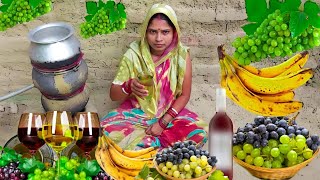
154	114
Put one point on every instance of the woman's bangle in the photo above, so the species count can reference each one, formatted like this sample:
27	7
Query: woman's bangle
175	111
126	87
172	112
162	125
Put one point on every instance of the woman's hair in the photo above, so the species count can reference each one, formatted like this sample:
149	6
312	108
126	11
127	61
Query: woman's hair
163	17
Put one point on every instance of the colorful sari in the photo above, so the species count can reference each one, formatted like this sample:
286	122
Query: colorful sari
126	125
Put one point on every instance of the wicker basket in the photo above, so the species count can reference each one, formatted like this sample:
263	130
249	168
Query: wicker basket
276	173
173	178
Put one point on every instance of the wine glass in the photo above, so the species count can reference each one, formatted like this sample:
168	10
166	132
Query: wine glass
146	78
29	131
59	131
89	131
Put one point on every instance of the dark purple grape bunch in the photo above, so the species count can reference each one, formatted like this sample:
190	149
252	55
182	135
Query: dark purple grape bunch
11	171
313	142
101	176
264	128
183	150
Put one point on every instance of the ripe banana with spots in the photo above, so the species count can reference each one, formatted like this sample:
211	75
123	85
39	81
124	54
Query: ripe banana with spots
257	103
125	161
279	97
279	84
122	164
104	160
291	65
143	153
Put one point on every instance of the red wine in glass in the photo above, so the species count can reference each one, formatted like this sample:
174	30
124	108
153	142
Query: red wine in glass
89	131
88	141
29	131
32	140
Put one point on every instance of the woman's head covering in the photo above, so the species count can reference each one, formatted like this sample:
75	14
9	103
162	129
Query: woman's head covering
138	58
169	12
163	9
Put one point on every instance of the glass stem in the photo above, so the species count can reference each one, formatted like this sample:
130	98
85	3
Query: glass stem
87	155
32	152
58	155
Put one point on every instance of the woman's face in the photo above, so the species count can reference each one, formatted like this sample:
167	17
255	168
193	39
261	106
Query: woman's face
159	35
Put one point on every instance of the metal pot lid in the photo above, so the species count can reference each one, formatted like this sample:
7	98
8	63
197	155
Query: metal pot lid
51	33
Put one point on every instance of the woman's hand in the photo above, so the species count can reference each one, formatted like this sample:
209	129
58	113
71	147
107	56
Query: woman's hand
138	89
154	130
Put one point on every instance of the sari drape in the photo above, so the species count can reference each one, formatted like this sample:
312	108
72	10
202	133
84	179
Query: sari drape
126	124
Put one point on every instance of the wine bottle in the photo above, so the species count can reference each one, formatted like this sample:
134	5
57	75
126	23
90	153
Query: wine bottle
220	135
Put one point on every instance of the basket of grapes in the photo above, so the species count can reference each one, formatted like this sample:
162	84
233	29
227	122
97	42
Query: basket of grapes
274	147
184	160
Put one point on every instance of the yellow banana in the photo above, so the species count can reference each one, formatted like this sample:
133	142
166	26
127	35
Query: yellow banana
297	66
149	155
104	160
293	64
237	92
130	172
280	97
131	153
262	85
127	162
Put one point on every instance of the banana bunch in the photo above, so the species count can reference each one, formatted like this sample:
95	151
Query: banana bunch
122	164
267	91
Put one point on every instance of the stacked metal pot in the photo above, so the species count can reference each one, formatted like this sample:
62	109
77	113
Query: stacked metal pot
59	70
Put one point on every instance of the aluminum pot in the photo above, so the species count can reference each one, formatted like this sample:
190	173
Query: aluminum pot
53	46
73	104
61	85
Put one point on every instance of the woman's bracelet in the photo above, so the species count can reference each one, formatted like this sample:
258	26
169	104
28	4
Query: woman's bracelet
126	87
162	124
172	112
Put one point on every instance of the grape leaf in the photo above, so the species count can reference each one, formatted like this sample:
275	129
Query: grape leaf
114	15
92	7
88	17
121	9
28	165
256	10
6	1
298	23
290	5
91	168
311	8
5	5
110	5
143	174
101	4
314	21
120	6
274	5
34	3
4	8
155	174
123	14
250	28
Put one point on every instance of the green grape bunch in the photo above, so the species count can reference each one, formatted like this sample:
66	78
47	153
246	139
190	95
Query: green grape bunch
273	39
103	18
21	11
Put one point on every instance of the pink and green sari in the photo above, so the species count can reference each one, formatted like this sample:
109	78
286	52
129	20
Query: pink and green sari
127	123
